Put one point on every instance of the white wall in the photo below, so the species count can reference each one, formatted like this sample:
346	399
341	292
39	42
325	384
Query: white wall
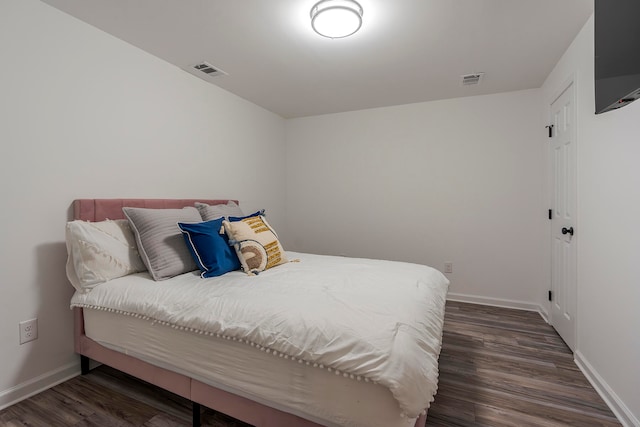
84	114
456	181
608	341
608	239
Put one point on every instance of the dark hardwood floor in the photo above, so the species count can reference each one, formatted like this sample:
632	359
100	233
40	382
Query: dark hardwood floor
503	367
498	367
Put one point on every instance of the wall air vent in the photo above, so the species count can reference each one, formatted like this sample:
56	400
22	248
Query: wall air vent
471	79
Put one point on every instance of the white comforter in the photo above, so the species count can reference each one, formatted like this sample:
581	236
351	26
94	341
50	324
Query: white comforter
370	320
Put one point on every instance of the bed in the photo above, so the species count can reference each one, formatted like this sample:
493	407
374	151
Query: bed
267	379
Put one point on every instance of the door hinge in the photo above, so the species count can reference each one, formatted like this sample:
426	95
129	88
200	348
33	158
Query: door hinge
550	296
550	213
550	127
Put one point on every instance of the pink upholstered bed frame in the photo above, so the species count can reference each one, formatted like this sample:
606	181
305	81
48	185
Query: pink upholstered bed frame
197	392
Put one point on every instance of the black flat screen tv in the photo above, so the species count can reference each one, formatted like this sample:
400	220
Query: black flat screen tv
617	53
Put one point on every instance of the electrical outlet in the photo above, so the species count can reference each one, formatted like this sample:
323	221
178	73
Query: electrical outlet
28	330
448	267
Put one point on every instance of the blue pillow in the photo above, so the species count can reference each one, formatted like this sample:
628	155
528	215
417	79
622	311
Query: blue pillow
209	248
240	218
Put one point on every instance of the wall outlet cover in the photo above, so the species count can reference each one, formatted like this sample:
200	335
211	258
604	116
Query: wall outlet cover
28	330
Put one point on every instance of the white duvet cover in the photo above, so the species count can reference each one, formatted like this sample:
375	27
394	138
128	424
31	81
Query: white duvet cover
367	320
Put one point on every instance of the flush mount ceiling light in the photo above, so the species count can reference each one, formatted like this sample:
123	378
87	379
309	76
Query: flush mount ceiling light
336	18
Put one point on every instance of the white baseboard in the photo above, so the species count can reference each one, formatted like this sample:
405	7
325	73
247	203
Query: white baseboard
36	385
617	406
495	302
544	314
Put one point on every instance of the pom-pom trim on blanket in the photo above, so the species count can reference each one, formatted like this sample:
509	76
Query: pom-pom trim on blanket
240	340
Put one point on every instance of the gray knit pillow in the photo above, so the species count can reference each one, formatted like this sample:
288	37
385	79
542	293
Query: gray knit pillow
160	242
209	212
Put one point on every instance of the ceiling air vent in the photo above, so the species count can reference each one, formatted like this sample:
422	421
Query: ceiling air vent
208	69
471	79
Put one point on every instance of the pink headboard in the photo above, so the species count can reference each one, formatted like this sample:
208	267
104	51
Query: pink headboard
101	209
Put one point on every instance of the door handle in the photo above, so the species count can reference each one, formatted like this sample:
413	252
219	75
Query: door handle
567	230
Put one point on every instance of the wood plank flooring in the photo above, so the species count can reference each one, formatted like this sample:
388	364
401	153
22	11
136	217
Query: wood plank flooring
498	367
502	367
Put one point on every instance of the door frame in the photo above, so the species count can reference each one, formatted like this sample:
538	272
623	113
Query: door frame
571	80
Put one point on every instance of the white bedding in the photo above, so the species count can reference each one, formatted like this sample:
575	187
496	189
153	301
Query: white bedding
314	394
366	320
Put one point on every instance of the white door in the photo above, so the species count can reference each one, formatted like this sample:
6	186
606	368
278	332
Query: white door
563	226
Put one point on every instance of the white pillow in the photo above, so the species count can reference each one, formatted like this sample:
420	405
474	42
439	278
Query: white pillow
100	251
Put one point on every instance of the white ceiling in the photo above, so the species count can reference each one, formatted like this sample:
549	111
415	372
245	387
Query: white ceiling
406	51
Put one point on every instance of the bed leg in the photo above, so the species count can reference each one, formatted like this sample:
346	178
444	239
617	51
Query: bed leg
84	365
195	408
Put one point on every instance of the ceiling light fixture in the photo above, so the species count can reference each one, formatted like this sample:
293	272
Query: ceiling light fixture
336	18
